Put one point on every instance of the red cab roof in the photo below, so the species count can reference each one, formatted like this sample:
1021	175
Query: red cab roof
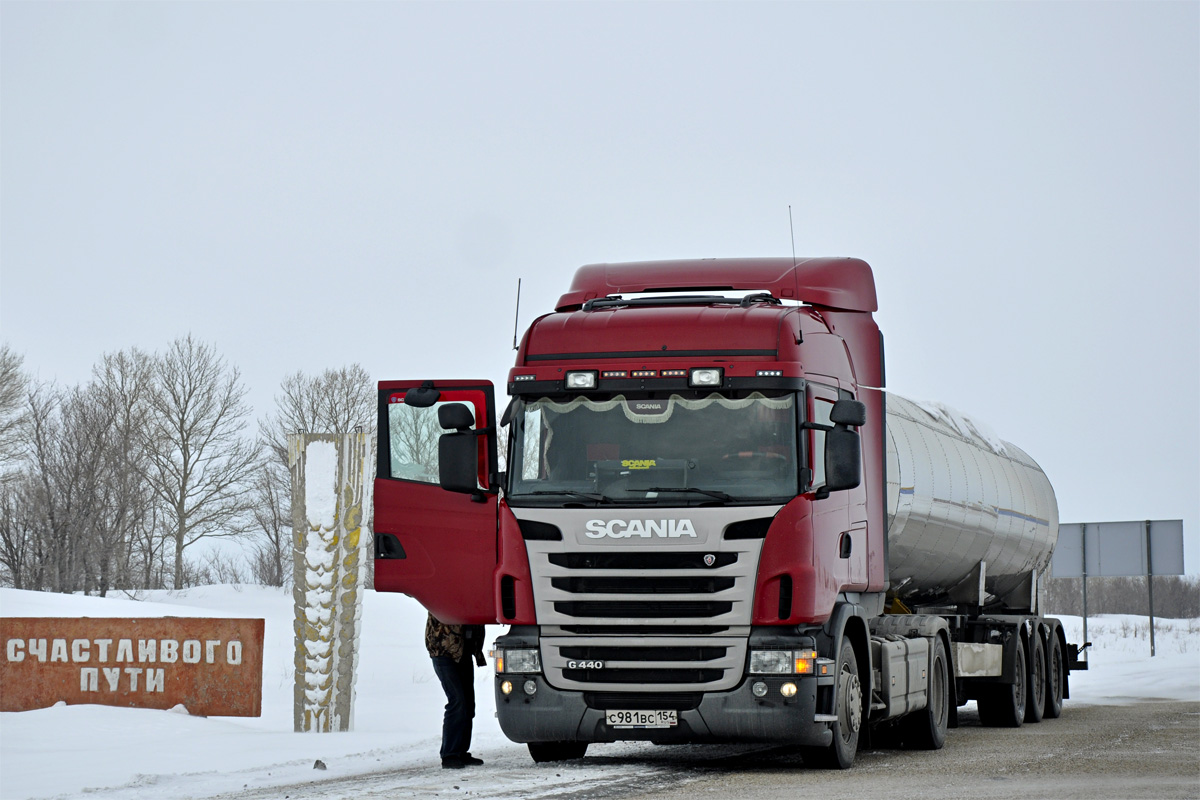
845	283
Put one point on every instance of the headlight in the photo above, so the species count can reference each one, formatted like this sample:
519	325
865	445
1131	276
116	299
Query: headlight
510	661
771	662
782	662
581	380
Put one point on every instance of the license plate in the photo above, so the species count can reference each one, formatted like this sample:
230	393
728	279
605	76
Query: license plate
642	719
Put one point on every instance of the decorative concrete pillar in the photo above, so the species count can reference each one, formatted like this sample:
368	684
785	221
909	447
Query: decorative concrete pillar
331	495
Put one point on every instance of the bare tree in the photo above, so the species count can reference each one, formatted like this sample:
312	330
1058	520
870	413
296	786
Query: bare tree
336	401
18	533
272	520
200	463
120	390
12	409
66	441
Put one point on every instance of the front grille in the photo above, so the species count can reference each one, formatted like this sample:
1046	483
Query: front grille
644	630
633	609
643	675
640	560
647	665
629	653
660	615
658	585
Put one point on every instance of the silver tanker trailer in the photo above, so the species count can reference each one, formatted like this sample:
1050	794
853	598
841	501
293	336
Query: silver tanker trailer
972	522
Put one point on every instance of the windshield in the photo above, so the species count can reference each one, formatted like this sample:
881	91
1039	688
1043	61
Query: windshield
668	451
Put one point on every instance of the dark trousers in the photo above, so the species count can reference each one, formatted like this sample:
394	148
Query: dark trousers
458	681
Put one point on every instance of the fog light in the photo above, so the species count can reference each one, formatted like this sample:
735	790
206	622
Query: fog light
759	688
788	689
530	687
506	687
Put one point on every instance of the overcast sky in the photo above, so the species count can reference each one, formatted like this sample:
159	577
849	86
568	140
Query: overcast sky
310	185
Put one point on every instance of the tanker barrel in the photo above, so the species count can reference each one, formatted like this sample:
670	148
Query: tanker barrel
964	508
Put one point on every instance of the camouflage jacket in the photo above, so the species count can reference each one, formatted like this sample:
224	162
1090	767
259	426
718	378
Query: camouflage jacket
454	641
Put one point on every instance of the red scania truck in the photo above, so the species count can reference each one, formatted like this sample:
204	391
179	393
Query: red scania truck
716	525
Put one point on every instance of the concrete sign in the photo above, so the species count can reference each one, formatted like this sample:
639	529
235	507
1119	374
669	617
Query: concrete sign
213	667
330	494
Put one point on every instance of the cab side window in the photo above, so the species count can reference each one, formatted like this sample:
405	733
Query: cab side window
820	404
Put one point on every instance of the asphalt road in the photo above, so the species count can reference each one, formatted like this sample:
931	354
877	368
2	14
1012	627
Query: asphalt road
1145	751
1150	750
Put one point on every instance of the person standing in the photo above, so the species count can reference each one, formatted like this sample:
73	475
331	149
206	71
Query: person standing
454	650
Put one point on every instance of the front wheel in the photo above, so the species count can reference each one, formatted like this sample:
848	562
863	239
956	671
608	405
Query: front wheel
841	751
926	729
542	752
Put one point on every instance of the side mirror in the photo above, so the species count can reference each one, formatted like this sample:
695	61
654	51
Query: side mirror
848	412
843	461
843	449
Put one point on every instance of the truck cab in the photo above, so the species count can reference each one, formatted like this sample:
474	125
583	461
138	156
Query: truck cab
687	504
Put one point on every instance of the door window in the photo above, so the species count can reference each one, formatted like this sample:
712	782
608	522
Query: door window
413	434
822	400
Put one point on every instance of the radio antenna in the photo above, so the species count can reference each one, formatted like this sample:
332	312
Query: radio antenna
792	228
517	315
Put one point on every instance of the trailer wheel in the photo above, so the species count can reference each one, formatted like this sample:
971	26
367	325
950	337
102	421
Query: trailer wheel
1054	679
556	751
1035	695
841	751
1003	705
926	729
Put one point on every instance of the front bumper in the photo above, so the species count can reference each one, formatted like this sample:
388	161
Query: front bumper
555	715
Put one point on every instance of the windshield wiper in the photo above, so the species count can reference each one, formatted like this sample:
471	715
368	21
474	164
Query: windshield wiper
725	498
598	498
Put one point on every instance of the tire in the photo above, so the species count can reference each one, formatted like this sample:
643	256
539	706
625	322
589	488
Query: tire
1035	693
1003	704
541	752
849	699
1055	678
926	729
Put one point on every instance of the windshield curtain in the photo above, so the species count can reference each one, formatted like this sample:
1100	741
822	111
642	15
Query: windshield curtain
672	450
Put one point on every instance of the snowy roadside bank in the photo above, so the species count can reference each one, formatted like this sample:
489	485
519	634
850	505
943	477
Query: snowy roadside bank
68	750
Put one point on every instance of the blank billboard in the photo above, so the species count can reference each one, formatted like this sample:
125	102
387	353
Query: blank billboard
1118	549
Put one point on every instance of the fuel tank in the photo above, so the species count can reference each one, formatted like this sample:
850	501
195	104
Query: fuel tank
957	497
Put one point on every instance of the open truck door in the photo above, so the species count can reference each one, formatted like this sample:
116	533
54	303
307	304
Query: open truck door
436	496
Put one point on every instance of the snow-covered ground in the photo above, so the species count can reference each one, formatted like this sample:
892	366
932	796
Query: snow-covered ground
134	753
